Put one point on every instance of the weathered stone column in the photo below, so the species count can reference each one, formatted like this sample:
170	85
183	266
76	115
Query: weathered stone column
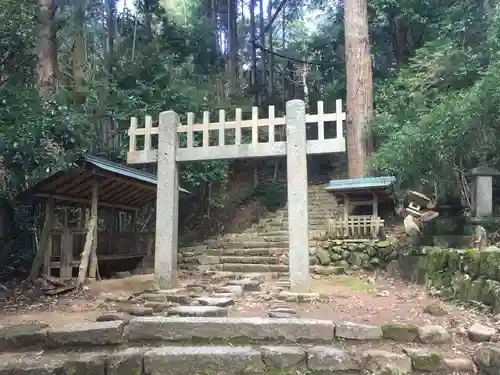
298	228
167	202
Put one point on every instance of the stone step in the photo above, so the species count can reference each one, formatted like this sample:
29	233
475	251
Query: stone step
285	222
166	345
316	214
248	267
229	359
255	252
278	242
263	260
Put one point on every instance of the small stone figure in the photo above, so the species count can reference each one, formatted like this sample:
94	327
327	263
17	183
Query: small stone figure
412	226
480	239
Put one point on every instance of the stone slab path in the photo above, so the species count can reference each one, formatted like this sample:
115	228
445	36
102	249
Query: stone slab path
357	324
360	299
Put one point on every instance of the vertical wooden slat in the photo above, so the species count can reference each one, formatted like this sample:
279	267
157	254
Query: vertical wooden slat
206	122
147	133
271	123
338	113
321	122
255	125
222	126
237	129
190	123
66	269
131	134
46	238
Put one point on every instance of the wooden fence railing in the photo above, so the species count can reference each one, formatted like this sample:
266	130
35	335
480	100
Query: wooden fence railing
354	227
227	134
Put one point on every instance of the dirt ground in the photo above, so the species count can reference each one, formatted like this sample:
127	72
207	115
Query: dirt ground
356	298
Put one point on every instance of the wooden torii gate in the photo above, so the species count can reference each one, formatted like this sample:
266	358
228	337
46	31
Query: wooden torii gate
296	148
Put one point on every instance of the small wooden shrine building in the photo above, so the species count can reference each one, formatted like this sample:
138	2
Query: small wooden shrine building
362	192
91	217
359	192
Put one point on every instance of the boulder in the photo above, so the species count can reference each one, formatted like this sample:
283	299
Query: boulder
400	331
435	309
478	332
460	365
383	362
323	256
424	360
433	334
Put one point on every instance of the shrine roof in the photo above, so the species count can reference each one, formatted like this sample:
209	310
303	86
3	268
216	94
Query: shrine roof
361	184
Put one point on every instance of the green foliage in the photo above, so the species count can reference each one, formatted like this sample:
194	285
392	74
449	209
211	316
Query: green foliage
271	194
437	118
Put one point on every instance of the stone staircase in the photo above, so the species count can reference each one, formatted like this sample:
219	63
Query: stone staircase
200	338
262	248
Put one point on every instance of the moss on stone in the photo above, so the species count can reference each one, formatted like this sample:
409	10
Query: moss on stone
423	360
471	262
323	256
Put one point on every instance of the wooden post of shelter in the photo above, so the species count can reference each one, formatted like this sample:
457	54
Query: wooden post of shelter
43	247
88	253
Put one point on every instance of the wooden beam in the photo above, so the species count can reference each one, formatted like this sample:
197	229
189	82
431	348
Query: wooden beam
94	213
142	185
40	256
86	201
84	260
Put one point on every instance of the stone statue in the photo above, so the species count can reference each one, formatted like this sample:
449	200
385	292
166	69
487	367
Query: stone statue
480	239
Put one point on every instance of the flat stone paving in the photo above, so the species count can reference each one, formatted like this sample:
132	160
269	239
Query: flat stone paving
344	300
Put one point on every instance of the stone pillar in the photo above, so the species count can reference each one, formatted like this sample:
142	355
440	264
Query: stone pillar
167	202
298	229
484	196
482	191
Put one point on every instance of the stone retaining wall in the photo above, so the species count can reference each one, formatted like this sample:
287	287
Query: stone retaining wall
72	349
465	275
340	256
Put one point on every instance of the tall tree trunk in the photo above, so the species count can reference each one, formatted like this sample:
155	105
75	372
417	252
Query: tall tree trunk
242	37
359	85
286	64
148	11
109	141
254	79
262	86
78	55
47	49
111	24
270	56
232	45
